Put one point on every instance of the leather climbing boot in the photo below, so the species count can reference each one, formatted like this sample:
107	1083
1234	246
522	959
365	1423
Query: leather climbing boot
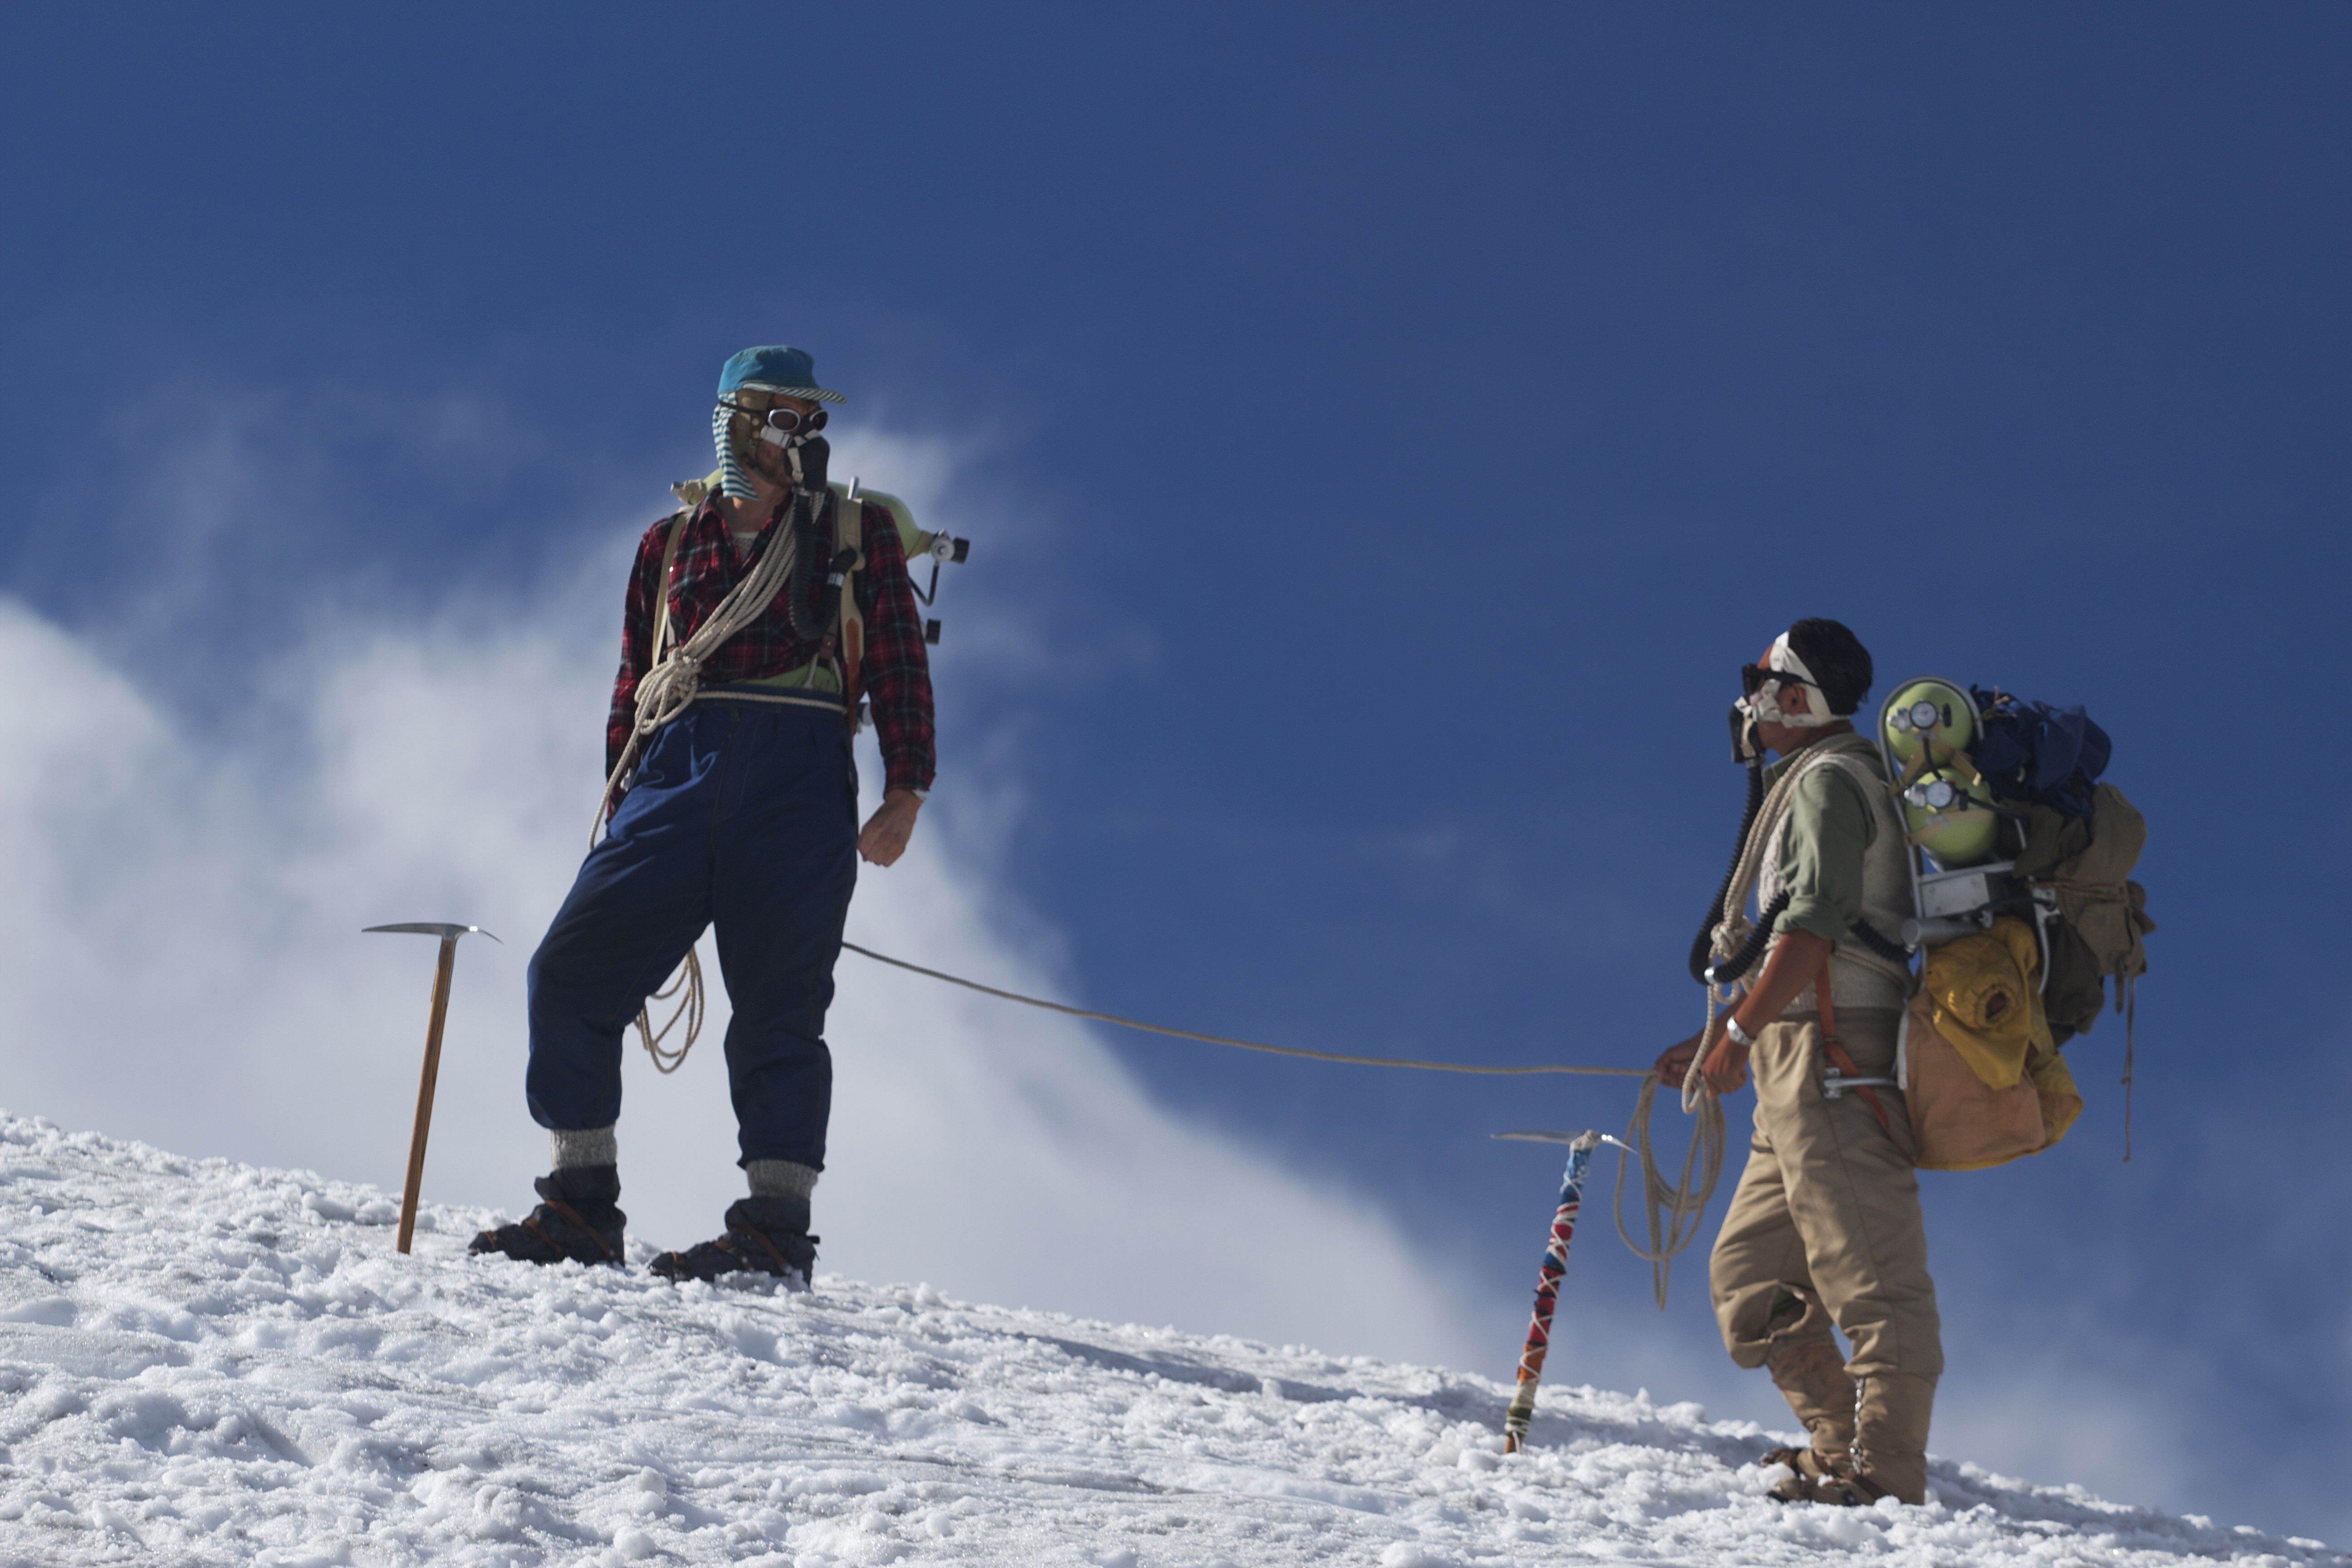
1890	1437
578	1220
764	1235
1811	1375
1808	1473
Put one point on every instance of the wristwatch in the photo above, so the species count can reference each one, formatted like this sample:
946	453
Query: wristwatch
1742	1038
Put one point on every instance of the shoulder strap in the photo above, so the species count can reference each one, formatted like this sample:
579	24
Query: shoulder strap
848	518
1856	764
662	628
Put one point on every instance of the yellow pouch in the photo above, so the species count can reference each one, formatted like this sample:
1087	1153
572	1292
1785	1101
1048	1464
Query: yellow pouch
1984	990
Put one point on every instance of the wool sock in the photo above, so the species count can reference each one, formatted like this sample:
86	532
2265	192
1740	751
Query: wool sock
780	1179
583	1146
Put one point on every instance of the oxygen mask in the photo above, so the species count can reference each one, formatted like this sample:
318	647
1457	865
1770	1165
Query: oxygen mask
791	432
808	456
1760	685
1746	747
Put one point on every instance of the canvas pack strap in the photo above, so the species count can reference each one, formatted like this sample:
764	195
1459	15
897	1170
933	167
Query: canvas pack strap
662	628
848	518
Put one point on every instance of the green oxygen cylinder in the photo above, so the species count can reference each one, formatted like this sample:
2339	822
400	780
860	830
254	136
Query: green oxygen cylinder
1948	815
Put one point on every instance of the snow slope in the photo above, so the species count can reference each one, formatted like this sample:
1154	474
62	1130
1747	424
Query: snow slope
208	1363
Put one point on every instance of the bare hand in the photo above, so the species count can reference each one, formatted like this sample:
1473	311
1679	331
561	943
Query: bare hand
884	836
1725	1072
1674	1066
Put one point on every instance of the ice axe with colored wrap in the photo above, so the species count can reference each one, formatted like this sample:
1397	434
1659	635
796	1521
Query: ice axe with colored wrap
449	934
1555	1264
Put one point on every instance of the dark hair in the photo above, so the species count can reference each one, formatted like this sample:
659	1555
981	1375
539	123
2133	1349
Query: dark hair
1837	659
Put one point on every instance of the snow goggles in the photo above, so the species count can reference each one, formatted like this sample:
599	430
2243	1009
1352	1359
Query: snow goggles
790	421
1753	676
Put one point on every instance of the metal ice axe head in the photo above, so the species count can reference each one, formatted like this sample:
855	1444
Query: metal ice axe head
449	933
441	929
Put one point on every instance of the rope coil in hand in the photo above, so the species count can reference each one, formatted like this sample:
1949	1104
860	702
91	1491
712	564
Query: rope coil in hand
1673	1212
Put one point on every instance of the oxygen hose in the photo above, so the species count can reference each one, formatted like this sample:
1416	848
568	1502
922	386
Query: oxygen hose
1740	962
807	564
1893	951
1703	945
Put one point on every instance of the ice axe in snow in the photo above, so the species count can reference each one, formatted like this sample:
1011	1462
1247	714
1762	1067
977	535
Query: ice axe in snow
1555	1264
448	935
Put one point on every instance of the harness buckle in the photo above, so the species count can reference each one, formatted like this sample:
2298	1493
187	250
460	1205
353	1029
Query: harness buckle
1834	1084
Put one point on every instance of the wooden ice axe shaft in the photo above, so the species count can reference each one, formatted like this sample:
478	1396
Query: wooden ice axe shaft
408	1192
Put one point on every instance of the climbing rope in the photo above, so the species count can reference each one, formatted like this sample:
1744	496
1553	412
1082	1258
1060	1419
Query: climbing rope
670	687
1240	1045
691	976
1673	1212
689	1008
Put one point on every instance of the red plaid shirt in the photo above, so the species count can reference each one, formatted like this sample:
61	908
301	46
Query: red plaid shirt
895	672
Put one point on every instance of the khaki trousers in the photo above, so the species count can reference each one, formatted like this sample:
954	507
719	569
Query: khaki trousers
1825	1226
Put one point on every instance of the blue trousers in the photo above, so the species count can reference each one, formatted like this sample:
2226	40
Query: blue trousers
743	815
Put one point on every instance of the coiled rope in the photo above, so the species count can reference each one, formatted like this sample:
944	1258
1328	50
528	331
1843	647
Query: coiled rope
1673	1212
670	687
690	1009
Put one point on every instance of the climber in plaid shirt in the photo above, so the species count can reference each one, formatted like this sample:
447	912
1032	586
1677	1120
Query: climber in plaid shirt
740	816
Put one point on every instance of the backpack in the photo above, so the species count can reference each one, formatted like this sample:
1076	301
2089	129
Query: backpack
2006	822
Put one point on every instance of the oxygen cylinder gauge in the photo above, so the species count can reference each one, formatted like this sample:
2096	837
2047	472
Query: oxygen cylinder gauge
918	542
1927	726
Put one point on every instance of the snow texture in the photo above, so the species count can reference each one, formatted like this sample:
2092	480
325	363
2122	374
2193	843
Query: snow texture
202	1361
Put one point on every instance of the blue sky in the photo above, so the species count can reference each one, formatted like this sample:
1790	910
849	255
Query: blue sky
1381	432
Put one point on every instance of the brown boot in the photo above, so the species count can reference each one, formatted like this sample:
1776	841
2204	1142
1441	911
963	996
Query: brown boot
1890	1437
1808	1475
1811	1375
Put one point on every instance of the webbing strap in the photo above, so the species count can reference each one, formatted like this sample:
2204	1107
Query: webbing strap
824	702
1833	1049
669	559
849	519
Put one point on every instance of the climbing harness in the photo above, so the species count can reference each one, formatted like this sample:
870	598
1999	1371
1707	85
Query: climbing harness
1733	942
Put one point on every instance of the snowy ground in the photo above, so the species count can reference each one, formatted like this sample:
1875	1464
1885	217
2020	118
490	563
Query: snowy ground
209	1363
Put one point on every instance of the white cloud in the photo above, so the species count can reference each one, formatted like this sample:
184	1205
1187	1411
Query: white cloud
182	948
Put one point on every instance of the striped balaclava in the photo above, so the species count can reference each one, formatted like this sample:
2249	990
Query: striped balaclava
774	369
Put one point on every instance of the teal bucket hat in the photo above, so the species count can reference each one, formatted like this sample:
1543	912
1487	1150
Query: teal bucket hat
776	369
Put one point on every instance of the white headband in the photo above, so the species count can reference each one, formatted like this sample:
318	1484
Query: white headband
1765	704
